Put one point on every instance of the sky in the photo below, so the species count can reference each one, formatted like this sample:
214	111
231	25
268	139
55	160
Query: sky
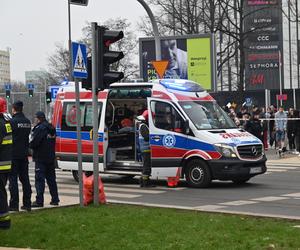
30	28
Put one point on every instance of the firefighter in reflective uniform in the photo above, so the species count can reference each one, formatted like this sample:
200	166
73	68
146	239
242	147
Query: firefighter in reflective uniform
145	149
5	162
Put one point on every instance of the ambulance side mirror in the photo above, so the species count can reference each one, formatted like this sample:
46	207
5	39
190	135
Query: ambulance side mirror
186	127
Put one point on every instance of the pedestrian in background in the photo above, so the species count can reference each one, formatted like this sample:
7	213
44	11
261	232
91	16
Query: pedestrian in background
5	162
297	132
290	130
42	141
254	126
21	128
280	126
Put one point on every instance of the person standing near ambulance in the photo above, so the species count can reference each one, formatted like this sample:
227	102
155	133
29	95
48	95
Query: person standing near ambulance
21	127
145	149
5	162
42	141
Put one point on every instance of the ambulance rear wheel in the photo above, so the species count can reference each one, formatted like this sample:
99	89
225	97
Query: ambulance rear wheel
197	174
76	176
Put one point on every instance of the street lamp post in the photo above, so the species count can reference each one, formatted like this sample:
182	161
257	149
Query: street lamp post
70	41
155	29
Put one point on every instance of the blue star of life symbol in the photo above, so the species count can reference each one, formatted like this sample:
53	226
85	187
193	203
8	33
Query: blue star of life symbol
169	141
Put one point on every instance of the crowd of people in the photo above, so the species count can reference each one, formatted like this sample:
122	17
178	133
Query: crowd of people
275	127
17	136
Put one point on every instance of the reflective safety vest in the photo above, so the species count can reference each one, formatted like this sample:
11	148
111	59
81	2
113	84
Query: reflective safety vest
6	145
144	138
4	221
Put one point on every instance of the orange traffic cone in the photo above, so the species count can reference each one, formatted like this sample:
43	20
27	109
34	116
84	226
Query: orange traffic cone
173	181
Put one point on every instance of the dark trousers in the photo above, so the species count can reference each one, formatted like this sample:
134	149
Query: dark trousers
46	171
3	193
297	142
4	216
146	164
19	169
291	139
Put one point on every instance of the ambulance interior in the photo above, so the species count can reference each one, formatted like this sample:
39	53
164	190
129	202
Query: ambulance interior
123	107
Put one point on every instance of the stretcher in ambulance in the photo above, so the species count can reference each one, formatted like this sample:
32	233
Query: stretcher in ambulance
191	137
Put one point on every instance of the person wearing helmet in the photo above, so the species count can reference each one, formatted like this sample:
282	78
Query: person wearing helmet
5	162
21	127
145	149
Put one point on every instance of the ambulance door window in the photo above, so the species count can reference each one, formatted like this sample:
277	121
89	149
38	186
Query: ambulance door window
69	116
166	117
88	118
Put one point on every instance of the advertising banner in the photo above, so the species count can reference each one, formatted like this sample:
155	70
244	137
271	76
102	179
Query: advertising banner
189	57
263	44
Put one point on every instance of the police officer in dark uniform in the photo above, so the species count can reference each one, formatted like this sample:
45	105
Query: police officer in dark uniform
5	162
21	128
145	149
42	141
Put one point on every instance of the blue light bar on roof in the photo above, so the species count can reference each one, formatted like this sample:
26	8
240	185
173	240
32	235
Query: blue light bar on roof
181	85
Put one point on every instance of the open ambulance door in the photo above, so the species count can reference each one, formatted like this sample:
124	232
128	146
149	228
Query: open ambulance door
168	142
103	131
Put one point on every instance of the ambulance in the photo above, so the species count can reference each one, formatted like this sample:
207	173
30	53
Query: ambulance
190	135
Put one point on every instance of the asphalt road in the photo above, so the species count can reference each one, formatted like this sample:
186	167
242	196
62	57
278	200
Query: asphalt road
275	193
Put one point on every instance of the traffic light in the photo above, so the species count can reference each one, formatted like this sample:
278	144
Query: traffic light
48	97
107	57
87	83
30	92
7	94
79	2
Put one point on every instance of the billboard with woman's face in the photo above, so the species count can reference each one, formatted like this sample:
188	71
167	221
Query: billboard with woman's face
189	57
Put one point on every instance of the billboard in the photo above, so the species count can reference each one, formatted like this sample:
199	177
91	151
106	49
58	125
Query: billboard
263	44
190	57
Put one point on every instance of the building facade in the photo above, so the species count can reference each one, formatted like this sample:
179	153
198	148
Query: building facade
4	66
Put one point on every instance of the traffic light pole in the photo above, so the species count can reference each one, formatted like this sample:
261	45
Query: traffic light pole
79	144
95	56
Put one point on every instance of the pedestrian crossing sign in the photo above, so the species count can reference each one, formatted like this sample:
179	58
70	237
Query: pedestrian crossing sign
79	60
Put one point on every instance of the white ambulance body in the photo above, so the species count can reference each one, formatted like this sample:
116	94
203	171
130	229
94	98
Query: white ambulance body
190	134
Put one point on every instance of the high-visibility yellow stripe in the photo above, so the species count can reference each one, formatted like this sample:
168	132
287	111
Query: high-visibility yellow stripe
8	128
5	142
5	167
5	218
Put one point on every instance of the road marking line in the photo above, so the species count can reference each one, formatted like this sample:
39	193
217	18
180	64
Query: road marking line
136	185
276	170
118	189
138	190
209	207
296	195
119	195
269	198
237	203
283	167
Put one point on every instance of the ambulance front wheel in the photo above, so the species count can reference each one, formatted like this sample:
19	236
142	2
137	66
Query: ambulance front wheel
197	174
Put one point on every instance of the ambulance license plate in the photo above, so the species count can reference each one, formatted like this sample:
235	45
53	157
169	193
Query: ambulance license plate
255	170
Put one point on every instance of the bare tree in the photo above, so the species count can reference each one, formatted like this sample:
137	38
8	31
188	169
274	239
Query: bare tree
59	61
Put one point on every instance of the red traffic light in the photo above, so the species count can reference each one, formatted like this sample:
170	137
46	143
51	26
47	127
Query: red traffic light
111	36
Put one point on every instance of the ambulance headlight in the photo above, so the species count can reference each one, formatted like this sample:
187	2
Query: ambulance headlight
225	150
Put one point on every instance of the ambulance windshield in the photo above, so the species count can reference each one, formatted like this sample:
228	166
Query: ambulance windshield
207	115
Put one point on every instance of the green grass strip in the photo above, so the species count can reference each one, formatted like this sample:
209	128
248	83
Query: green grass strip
133	227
